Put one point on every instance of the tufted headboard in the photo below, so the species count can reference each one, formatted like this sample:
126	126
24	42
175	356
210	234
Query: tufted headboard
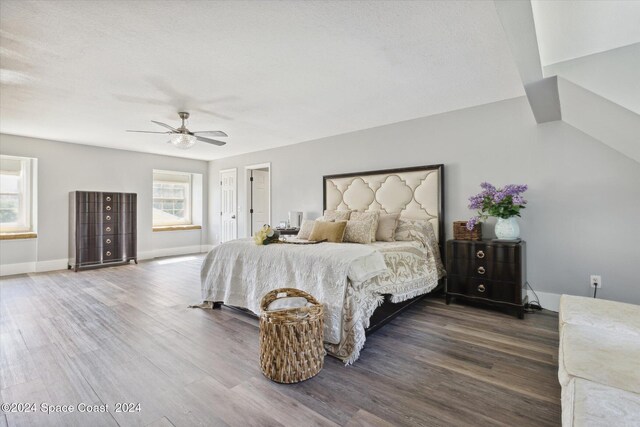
416	192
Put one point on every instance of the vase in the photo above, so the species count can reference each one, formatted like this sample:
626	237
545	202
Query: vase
507	229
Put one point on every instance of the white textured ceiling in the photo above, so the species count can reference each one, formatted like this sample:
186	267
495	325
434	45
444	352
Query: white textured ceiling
267	73
569	29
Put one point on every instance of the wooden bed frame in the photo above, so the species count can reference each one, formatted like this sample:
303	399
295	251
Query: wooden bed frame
389	310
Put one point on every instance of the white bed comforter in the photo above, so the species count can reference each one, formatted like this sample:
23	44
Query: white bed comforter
350	280
240	273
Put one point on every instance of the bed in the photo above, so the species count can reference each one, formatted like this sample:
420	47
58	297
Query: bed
361	286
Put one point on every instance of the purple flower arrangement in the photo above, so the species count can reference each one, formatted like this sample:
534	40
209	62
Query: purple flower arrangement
502	202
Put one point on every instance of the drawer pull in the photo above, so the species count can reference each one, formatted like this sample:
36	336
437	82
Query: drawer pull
481	288
108	217
108	253
480	254
481	270
108	229
108	198
108	240
108	208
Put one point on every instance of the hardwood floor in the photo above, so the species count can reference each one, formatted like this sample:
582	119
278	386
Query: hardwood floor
125	334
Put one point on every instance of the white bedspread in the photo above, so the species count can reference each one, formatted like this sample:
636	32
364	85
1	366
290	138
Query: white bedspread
240	272
349	279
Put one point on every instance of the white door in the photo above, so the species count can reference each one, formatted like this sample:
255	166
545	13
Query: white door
228	205
260	199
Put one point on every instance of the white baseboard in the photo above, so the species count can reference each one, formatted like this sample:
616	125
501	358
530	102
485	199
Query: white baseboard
61	264
548	300
183	250
51	265
33	267
18	268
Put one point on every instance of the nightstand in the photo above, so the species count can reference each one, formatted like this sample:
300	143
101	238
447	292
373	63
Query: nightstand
489	272
288	231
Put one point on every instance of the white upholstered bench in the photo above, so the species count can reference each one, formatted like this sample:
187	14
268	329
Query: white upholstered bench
599	362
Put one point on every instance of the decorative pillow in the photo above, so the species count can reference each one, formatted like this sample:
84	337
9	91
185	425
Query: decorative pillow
368	216
358	232
330	231
421	231
387	224
305	229
332	215
412	230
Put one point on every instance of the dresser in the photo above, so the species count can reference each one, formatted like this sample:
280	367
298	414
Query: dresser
489	272
102	229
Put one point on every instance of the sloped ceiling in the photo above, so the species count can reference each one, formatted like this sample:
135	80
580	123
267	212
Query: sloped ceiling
267	73
570	29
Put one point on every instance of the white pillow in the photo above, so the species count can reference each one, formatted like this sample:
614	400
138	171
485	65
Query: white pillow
358	232
305	229
333	215
387	224
368	216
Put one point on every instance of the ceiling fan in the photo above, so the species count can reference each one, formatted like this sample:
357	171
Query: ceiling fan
183	137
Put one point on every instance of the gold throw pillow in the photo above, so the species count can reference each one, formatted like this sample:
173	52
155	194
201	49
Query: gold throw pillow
330	231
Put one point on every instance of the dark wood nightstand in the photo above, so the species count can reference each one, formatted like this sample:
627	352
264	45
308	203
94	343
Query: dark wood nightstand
288	231
487	271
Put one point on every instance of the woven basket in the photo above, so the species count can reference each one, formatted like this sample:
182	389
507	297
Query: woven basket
460	231
291	340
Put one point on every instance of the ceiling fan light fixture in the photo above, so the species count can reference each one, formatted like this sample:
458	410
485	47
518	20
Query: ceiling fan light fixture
183	140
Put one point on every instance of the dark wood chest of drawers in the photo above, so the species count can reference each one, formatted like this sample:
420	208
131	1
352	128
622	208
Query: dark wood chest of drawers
103	228
487	271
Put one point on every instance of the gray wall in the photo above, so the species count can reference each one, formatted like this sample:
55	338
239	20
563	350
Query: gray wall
584	197
64	167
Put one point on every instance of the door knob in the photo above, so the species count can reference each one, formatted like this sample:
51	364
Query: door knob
233	217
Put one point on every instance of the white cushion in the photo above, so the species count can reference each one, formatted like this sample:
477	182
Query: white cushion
372	217
358	232
586	403
333	215
305	229
613	316
387	224
598	355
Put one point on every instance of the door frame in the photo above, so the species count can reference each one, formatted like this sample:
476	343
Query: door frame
246	213
220	198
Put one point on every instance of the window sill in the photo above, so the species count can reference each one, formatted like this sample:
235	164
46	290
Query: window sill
16	236
176	228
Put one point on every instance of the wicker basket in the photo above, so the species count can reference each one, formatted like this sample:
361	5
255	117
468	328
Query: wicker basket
460	231
291	340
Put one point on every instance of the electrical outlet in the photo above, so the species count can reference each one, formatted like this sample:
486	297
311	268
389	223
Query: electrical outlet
596	281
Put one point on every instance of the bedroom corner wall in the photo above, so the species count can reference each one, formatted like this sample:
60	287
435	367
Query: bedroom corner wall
64	167
584	197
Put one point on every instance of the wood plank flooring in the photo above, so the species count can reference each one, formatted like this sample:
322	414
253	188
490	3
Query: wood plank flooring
125	334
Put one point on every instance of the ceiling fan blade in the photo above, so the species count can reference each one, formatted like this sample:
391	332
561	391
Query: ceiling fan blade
211	132
145	131
210	141
164	125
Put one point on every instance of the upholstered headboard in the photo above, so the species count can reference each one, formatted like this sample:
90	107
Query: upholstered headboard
416	193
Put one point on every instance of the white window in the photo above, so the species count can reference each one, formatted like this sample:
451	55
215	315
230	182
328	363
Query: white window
16	194
171	198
